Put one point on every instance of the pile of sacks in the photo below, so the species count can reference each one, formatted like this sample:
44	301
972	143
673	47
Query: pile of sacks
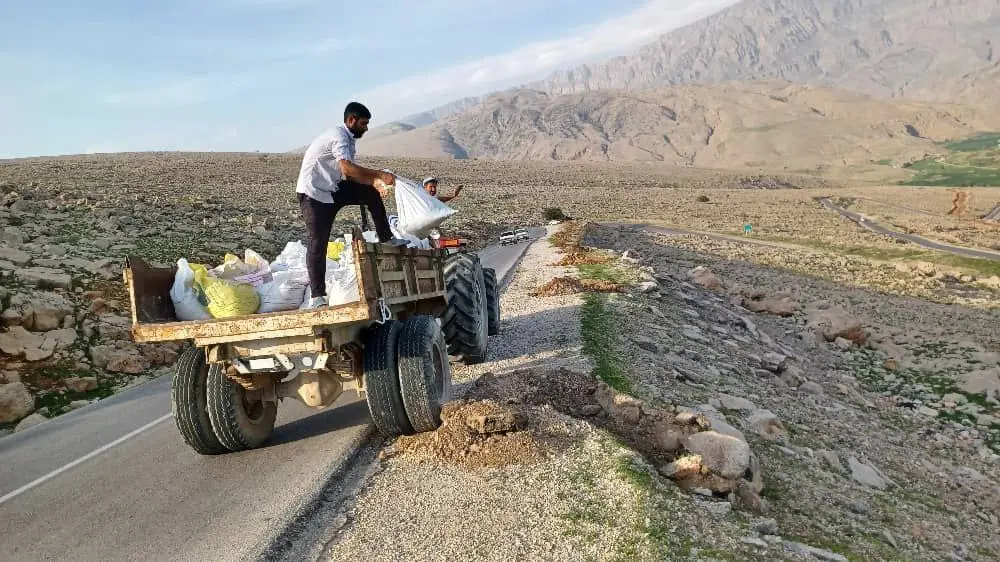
252	285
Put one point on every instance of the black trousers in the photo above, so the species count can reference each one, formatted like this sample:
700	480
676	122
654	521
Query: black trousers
319	219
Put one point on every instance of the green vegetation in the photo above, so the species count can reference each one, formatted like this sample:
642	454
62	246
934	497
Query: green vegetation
554	214
597	332
971	162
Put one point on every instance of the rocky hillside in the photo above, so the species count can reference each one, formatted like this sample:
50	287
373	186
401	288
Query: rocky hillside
884	48
756	124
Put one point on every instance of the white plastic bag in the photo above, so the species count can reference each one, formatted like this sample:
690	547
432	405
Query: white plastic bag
187	305
341	283
284	291
419	212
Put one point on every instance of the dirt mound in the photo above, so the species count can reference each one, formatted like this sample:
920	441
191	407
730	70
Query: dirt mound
478	434
571	285
583	257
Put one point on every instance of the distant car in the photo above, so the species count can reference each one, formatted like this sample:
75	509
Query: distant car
521	234
508	237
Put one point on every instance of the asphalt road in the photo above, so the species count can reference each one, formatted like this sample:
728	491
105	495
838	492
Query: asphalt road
918	240
115	481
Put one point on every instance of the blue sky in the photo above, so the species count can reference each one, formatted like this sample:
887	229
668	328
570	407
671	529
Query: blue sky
124	75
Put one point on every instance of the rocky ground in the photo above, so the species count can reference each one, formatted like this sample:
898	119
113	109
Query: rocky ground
739	411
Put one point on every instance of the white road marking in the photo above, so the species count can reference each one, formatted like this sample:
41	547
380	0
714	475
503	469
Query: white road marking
82	459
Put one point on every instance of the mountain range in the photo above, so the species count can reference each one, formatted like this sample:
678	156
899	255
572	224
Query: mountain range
760	83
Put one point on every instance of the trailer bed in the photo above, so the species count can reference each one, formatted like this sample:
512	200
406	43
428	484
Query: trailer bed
396	280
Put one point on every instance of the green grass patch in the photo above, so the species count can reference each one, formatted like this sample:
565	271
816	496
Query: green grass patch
598	322
606	272
972	162
984	141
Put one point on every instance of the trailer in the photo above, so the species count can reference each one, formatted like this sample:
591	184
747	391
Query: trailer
416	309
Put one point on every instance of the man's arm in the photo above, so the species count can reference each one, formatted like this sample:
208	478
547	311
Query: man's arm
364	175
445	198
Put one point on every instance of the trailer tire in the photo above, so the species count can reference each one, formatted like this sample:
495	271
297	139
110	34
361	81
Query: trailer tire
238	424
464	322
492	301
188	403
385	402
424	371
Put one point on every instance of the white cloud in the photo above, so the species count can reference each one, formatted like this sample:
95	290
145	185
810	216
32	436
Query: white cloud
533	61
181	92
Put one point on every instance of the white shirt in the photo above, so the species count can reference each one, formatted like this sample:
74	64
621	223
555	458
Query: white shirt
320	171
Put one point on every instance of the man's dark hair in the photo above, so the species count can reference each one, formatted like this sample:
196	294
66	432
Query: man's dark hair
357	110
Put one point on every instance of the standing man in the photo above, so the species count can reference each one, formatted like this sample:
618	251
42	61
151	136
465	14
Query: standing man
431	187
328	181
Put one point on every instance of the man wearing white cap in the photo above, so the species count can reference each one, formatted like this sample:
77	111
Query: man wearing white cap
431	187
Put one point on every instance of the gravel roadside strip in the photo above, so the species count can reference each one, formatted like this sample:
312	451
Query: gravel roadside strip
426	511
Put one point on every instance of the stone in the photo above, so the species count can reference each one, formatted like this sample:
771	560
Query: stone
774	362
766	527
867	474
736	403
819	553
648	287
80	384
746	498
778	307
15	402
590	410
693	418
19	342
810	387
40	312
30	421
792	376
754	541
724	455
834	323
646	344
767	425
668	437
719	423
44	278
127	362
621	407
843	344
955	399
832	460
704	278
15	256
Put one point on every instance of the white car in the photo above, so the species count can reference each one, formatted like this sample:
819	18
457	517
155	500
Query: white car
508	237
521	234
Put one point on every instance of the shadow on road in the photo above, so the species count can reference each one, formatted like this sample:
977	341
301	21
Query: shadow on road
326	422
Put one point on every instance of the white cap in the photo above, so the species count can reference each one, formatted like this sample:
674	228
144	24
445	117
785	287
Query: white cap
428	180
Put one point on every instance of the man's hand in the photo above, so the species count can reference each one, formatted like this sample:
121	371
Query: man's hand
387	178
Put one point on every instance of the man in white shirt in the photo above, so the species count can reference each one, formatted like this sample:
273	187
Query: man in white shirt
328	181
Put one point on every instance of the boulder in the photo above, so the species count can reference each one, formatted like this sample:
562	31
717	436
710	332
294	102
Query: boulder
15	402
834	323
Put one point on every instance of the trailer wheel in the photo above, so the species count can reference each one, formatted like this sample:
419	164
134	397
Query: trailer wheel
424	371
240	419
492	301
464	321
188	403
385	403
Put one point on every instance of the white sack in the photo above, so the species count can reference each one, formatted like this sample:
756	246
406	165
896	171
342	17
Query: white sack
187	306
419	212
284	292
